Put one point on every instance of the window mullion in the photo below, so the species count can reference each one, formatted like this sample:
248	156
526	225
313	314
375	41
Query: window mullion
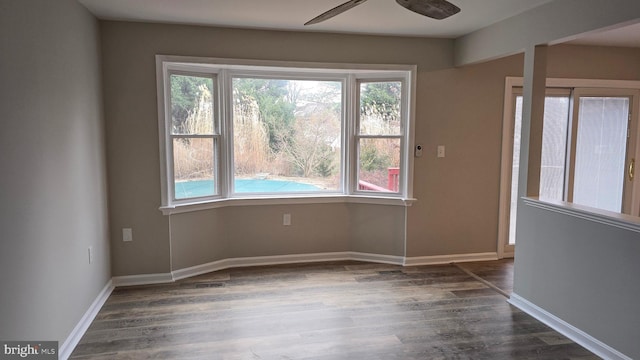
350	157
358	136
226	129
381	166
194	136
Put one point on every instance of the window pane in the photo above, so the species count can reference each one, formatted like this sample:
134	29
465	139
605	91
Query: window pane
554	139
600	152
379	165
554	146
193	167
380	108
515	170
287	135
191	105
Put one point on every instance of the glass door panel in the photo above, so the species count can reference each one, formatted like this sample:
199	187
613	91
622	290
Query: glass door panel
554	145
515	170
601	152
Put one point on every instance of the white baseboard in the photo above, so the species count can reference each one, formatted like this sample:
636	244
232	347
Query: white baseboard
144	279
76	334
287	259
447	259
200	269
296	258
257	261
377	258
283	259
507	255
578	336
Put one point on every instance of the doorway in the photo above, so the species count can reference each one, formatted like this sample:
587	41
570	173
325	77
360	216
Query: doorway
588	152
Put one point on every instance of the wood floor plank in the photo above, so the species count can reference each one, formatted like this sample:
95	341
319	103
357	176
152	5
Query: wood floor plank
498	273
337	310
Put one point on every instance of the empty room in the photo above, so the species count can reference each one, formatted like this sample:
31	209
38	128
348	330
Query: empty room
280	179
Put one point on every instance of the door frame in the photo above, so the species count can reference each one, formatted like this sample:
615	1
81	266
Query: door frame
504	249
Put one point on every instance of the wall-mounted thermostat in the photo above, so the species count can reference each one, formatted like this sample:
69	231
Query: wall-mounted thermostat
418	151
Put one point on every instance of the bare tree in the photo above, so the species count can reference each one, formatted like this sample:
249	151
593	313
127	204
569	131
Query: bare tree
312	143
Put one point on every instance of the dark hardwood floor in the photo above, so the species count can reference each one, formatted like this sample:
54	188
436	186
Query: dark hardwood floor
498	273
342	310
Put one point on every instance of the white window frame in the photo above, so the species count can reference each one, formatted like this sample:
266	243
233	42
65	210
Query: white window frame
216	137
223	71
357	136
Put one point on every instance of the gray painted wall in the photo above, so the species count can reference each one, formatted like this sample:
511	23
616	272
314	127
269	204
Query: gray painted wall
133	151
579	270
53	177
245	231
457	208
583	272
376	229
593	62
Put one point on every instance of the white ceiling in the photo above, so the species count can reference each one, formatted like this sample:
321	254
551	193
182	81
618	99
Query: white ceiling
380	17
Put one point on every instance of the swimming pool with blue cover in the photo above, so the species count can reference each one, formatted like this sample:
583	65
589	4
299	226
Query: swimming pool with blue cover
198	188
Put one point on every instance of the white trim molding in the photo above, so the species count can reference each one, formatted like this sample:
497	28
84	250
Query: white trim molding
161	278
288	200
144	279
149	279
618	220
283	259
377	258
580	83
256	261
78	331
578	336
200	269
447	259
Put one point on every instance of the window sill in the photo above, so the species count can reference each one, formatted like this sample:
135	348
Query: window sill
291	200
610	218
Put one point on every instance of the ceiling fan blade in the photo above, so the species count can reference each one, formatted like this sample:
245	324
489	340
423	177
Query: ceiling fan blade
335	11
437	9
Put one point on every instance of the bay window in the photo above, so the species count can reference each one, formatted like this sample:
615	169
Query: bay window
255	130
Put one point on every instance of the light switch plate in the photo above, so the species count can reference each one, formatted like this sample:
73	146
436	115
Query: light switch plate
127	234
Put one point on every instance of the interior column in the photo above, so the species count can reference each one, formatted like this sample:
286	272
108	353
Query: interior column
535	76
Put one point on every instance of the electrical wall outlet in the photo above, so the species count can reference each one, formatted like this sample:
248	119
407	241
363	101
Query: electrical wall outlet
127	234
286	219
440	151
